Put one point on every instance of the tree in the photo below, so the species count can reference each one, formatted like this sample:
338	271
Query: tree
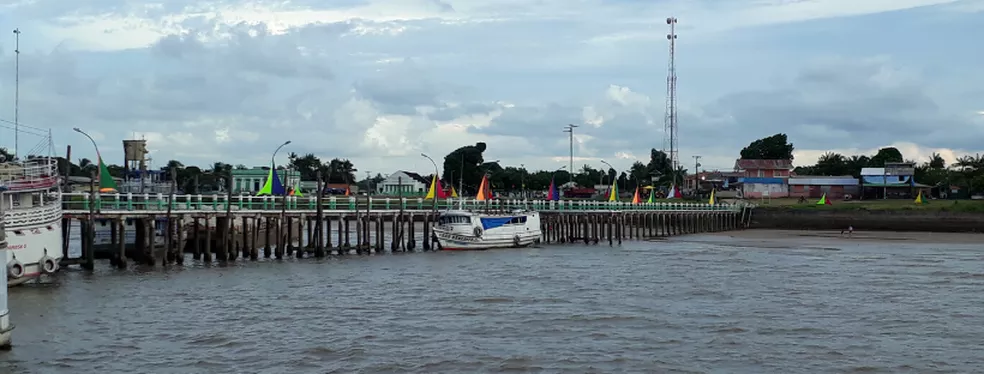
775	147
587	176
639	174
306	165
464	166
887	154
371	184
831	163
5	155
659	168
936	161
339	171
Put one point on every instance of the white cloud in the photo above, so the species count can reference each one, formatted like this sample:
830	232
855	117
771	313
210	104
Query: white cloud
382	81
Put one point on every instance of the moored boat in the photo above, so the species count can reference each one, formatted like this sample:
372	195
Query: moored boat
32	212
5	327
463	230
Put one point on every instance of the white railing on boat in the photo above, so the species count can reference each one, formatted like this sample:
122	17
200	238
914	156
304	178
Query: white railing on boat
35	216
33	174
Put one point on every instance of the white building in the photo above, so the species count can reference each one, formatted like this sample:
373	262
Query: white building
412	184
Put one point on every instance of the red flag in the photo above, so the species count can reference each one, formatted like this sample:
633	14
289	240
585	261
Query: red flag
440	190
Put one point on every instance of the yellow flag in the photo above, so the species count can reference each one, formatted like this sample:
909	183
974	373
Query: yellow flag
431	192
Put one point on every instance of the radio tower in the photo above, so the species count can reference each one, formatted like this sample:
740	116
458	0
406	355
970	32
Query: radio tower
670	120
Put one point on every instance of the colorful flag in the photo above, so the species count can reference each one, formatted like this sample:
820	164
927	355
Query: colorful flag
435	189
613	195
824	200
552	193
272	186
106	182
635	198
484	191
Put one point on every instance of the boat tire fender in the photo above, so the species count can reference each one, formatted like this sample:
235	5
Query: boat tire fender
48	265
15	269
478	232
516	240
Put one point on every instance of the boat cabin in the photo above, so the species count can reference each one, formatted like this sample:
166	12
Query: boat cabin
454	220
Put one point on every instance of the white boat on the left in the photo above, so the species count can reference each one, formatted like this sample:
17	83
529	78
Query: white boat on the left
30	203
5	327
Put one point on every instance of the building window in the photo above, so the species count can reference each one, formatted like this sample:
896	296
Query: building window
761	173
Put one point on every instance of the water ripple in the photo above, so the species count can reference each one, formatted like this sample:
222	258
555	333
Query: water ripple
693	305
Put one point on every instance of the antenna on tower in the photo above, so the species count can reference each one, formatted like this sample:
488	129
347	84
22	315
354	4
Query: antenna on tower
670	120
17	33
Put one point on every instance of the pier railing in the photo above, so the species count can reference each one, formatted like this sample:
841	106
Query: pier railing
83	202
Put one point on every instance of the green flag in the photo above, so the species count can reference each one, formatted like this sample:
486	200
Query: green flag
106	181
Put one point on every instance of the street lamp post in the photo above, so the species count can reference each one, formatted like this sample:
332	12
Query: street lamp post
283	205
611	168
436	176
522	180
78	130
90	230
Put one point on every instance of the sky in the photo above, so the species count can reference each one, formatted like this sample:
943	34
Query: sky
380	82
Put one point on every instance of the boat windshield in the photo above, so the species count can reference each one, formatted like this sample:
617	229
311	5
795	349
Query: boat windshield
444	220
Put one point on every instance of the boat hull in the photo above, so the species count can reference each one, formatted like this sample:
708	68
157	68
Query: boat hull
460	243
32	247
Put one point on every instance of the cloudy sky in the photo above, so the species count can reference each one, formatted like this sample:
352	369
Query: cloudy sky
379	82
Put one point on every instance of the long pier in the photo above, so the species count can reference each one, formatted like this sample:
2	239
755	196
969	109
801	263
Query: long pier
223	227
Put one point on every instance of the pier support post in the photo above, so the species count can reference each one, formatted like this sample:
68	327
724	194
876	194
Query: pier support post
120	241
197	241
182	241
207	256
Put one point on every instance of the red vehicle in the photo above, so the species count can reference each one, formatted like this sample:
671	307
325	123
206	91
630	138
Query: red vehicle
580	193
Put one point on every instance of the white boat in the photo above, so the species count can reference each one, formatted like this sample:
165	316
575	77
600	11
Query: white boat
30	203
5	327
465	230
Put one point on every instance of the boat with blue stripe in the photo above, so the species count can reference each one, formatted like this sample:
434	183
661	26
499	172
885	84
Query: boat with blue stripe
465	230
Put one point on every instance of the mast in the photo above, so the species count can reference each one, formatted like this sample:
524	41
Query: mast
16	91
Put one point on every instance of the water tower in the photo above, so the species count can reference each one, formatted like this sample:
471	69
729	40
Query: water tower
135	155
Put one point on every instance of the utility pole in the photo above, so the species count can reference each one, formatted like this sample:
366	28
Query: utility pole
696	173
570	130
368	184
16	91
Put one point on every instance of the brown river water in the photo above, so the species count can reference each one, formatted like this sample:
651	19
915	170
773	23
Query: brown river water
696	304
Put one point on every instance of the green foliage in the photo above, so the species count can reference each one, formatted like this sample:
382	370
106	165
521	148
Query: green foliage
887	154
464	166
775	147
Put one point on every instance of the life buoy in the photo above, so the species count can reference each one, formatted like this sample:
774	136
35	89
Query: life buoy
15	269
48	265
516	240
478	232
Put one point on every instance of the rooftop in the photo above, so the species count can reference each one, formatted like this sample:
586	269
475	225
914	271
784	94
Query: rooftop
746	164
